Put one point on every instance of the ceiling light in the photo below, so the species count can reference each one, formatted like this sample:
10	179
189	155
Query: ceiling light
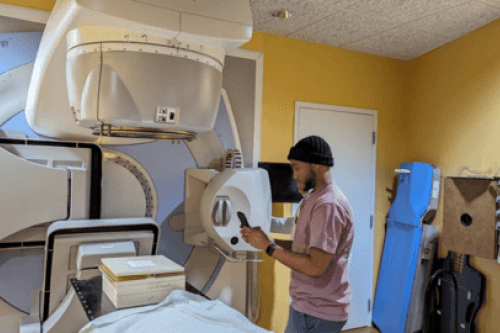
282	14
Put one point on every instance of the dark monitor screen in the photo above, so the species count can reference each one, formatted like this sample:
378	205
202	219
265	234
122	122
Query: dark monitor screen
283	186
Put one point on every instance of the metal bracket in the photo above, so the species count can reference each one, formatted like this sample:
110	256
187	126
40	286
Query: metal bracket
428	251
231	258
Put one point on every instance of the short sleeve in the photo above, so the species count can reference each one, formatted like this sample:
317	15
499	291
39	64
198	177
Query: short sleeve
282	225
326	228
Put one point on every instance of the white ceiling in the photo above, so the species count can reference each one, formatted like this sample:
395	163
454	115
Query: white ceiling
400	29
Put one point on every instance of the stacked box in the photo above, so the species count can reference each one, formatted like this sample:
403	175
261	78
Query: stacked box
138	281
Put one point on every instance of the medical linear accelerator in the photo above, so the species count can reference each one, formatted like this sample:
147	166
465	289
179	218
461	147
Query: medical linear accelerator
111	84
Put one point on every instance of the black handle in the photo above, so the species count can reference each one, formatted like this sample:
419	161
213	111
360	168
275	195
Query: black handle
243	219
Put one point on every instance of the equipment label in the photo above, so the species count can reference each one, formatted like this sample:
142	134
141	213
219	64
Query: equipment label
142	263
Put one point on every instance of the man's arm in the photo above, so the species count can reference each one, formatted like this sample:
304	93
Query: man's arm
313	264
285	244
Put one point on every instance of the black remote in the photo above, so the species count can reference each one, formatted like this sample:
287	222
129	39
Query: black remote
243	219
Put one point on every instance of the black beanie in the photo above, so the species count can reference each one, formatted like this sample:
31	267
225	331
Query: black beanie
312	149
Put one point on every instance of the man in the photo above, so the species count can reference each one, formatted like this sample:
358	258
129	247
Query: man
323	237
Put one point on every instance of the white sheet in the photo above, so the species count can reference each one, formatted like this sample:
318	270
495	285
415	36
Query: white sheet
181	311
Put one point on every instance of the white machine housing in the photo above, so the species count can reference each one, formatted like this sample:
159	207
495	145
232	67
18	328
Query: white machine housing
65	243
212	201
136	69
47	181
123	72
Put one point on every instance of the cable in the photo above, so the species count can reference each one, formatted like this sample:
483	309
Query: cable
427	291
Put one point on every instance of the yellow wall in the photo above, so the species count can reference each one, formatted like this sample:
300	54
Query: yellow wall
46	5
300	71
454	119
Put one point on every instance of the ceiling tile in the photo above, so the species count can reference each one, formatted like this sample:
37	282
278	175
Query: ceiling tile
414	53
259	14
400	39
362	49
304	14
341	28
490	2
458	21
378	53
338	4
401	11
400	29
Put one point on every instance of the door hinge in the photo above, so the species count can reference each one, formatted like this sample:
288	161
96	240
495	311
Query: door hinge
371	221
374	136
369	305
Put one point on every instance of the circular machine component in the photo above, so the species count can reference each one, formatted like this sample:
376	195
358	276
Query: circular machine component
249	192
139	132
140	174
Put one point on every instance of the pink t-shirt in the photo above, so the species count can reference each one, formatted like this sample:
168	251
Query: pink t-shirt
325	222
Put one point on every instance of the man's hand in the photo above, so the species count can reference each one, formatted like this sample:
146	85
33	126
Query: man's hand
313	264
255	237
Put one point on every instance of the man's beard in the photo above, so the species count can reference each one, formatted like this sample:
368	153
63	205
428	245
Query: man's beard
311	182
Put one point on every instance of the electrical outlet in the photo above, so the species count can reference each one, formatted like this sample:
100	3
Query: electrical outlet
165	114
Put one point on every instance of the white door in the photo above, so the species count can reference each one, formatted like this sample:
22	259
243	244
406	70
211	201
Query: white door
351	136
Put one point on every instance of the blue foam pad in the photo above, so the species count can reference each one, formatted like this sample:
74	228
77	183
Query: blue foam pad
402	245
414	192
396	275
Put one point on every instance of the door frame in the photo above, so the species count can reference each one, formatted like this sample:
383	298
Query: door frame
374	113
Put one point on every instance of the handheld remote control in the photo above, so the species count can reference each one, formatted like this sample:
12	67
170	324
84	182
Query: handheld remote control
243	219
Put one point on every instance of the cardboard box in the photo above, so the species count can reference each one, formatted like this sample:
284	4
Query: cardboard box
141	292
138	281
469	216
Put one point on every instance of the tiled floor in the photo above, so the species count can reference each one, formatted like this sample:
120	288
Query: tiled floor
363	330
